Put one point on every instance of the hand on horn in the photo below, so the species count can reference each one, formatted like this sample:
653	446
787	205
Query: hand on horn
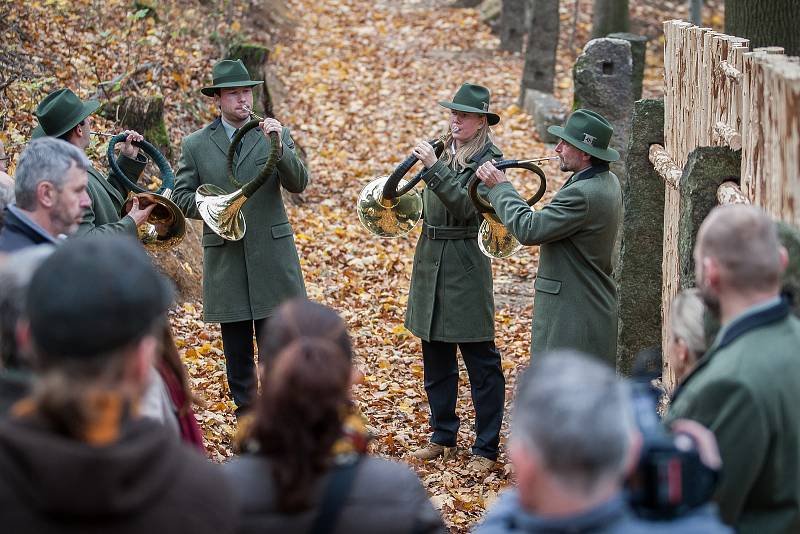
140	215
128	148
272	125
425	153
490	175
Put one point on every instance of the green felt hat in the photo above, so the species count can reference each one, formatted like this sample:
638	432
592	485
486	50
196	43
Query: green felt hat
473	99
60	112
588	131
229	73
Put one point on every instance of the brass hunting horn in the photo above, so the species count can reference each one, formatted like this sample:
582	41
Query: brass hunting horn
388	206
494	239
166	225
222	211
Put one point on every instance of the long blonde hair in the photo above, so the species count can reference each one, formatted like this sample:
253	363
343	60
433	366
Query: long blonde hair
468	149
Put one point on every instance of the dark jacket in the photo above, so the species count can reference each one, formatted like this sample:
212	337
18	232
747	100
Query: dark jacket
14	385
575	303
20	232
246	279
146	482
613	517
451	295
745	389
386	497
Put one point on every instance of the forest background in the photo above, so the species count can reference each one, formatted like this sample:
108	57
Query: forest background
358	83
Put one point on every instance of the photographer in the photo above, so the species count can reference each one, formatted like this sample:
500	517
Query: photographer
573	442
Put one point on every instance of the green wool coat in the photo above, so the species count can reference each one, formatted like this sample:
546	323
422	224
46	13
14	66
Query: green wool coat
246	279
745	389
451	295
575	302
108	197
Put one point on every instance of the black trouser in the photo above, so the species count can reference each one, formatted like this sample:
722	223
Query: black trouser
486	383
240	367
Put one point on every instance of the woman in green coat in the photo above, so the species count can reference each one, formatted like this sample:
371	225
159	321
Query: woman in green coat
451	304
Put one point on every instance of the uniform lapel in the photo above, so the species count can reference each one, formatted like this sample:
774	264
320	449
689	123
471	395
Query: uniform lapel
219	136
250	140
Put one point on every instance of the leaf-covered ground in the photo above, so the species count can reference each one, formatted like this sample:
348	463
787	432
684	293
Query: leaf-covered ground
358	83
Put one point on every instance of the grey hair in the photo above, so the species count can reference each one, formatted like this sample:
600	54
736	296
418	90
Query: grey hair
45	160
15	275
687	321
574	414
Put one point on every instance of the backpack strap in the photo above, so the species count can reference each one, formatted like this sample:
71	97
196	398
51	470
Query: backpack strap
339	486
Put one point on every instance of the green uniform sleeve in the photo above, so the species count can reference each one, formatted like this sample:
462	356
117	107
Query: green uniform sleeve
558	220
187	181
291	171
730	411
125	225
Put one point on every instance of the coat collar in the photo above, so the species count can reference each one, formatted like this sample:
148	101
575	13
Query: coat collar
16	220
587	173
739	327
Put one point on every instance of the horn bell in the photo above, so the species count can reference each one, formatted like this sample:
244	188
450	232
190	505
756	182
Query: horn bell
495	240
388	217
222	211
166	225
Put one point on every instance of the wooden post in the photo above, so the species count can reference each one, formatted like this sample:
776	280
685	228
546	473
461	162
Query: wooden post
728	135
730	193
664	166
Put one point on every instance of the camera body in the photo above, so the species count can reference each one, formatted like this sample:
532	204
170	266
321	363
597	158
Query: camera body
669	481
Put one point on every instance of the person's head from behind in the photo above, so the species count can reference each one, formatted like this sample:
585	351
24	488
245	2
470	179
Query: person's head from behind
687	337
305	394
15	275
95	309
573	436
738	257
51	184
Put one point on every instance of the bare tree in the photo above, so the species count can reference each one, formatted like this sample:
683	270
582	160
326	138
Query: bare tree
512	25
610	16
540	56
765	23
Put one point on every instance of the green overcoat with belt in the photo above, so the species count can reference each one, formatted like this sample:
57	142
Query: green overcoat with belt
575	302
245	279
745	390
451	296
108	197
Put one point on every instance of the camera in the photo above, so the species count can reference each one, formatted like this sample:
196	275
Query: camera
669	481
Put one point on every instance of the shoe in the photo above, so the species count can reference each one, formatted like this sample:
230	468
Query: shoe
480	466
433	450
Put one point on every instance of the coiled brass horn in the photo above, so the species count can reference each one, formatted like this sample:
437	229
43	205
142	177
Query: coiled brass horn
388	206
222	211
166	225
494	239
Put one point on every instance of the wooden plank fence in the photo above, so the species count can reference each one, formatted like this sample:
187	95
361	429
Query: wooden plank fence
720	93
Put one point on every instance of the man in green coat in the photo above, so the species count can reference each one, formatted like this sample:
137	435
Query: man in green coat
575	305
243	281
745	388
62	114
451	305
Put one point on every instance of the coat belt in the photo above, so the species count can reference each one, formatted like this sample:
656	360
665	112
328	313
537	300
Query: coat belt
449	232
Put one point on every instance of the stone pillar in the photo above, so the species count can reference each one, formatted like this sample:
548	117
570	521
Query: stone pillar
546	111
790	238
638	272
638	53
603	77
704	172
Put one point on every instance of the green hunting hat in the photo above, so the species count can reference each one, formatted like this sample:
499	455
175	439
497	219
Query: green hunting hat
60	112
589	132
229	73
473	99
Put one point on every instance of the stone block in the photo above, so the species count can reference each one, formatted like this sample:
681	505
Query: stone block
546	111
638	272
638	53
603	78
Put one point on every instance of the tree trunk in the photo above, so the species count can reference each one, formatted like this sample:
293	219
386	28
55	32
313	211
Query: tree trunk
610	16
765	23
540	56
512	25
466	3
696	12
